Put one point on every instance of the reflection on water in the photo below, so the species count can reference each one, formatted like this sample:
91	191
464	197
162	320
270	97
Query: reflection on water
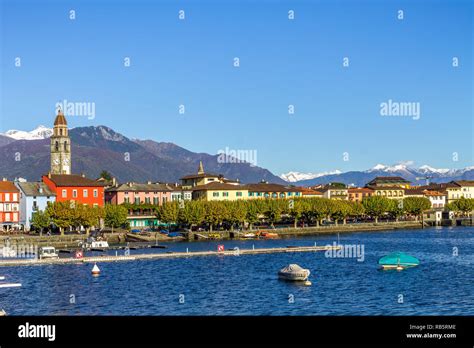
248	285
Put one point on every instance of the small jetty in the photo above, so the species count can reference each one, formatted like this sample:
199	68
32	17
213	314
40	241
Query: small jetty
167	255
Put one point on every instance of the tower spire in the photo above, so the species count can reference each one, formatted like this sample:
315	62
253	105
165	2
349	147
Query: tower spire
201	168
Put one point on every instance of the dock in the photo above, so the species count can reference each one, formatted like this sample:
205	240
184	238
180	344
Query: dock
167	255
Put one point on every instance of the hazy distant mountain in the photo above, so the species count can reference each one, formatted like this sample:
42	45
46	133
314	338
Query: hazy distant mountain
101	148
360	178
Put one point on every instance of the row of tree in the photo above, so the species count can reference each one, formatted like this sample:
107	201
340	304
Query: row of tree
68	214
308	210
231	214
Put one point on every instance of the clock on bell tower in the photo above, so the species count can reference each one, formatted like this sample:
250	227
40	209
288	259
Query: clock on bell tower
60	146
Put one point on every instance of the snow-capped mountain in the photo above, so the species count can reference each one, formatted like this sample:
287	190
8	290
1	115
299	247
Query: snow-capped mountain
417	175
40	132
297	176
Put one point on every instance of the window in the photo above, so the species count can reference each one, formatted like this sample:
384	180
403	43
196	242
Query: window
64	194
250	194
96	193
239	194
155	201
56	146
282	195
147	200
297	193
7	197
137	200
65	146
74	193
84	193
274	195
215	194
225	194
126	200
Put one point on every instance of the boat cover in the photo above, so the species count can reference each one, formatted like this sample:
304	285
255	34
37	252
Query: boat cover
398	258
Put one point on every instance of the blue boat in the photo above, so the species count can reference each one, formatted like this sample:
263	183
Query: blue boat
398	261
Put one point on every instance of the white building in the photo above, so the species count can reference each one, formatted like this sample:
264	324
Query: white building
34	196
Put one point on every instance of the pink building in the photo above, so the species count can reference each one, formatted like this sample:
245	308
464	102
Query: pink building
133	193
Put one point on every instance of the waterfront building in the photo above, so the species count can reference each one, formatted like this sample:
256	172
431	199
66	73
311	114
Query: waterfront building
219	191
459	189
135	193
9	205
73	187
334	191
310	193
60	146
34	196
357	194
201	178
267	190
391	192
389	181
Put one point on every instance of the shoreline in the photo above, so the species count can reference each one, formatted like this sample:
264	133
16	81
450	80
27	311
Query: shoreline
120	239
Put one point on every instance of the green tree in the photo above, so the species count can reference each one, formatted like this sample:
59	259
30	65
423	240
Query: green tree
296	209
416	205
115	216
464	205
61	214
396	208
105	175
40	220
169	212
376	206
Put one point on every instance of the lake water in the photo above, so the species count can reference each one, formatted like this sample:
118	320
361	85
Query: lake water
443	284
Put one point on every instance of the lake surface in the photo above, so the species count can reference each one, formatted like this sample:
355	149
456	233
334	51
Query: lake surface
443	284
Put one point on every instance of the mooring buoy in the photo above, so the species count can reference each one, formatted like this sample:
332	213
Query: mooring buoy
95	270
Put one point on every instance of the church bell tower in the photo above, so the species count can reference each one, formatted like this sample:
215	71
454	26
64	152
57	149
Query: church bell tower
60	146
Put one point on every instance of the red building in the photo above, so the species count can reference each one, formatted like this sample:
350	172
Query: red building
9	205
72	187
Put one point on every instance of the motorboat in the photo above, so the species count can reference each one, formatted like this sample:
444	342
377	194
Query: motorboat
48	252
294	272
398	261
249	235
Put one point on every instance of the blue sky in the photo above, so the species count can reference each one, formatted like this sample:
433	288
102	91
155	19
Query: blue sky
282	62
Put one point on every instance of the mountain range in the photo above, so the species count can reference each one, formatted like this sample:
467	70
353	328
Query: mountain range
96	148
27	155
417	175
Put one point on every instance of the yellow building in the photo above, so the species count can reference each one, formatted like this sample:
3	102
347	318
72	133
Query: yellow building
217	191
392	192
459	189
266	190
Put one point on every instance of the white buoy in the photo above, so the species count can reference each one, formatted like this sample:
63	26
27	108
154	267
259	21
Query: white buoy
95	270
307	283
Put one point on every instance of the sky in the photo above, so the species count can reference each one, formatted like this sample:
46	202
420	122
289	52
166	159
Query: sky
338	122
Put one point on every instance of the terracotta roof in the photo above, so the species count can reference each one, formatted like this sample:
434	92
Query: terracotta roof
73	180
60	120
414	192
35	189
8	186
308	192
464	182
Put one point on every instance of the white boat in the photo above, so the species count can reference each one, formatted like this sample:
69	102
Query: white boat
249	235
99	244
294	272
48	253
8	285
